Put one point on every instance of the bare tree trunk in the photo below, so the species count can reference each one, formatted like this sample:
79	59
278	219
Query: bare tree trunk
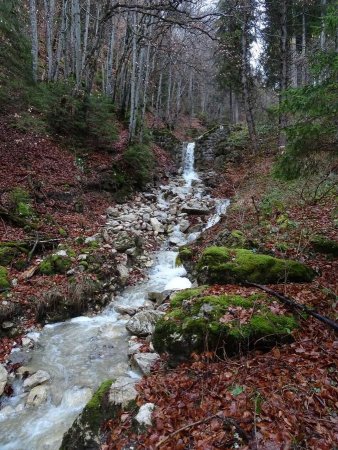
294	74
145	89
158	97
76	24
85	36
35	40
61	41
245	86
283	70
110	59
132	120
322	34
304	62
49	11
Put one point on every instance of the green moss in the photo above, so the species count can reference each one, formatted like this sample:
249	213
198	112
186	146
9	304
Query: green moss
4	281
21	203
324	245
224	265
63	232
7	254
55	264
94	412
194	324
185	294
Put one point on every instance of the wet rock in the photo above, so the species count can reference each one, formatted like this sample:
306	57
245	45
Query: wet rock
37	396
125	309
39	377
184	225
84	434
143	417
134	347
144	361
195	210
143	323
123	273
3	378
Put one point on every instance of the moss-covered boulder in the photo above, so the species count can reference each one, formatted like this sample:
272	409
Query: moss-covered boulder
4	280
84	433
184	255
54	264
106	403
9	251
322	244
224	265
229	324
7	255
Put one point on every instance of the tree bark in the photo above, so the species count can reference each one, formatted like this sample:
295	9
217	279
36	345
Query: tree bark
35	40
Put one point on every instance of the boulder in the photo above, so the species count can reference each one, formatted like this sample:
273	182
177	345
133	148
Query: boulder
230	324
224	265
37	396
3	378
322	244
144	361
143	417
197	210
143	323
39	377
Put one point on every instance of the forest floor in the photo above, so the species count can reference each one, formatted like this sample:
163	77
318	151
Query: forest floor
282	399
68	205
285	398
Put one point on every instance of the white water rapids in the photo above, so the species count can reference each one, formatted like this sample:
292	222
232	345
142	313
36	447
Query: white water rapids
81	353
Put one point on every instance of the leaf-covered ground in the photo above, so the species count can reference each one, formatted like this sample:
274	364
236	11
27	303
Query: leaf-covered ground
282	399
59	182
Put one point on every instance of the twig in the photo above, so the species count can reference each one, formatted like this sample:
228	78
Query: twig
291	303
226	420
30	254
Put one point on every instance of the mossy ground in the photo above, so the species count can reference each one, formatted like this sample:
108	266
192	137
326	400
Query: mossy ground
234	323
224	265
55	264
322	244
4	281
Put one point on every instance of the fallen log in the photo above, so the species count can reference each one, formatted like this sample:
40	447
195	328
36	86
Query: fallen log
292	304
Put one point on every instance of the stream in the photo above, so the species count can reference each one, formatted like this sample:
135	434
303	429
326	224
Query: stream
82	352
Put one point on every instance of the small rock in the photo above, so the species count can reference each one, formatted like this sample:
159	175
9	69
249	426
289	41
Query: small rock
82	257
156	225
122	390
123	273
26	342
7	325
39	377
3	378
143	323
125	309
143	417
145	361
37	396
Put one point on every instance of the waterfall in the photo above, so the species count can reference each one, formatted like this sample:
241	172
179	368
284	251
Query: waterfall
189	173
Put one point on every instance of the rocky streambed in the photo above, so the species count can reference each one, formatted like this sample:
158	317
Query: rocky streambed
67	361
